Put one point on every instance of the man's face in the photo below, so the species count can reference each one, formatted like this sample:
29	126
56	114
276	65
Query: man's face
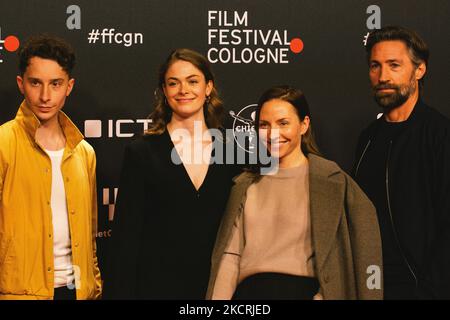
393	76
45	86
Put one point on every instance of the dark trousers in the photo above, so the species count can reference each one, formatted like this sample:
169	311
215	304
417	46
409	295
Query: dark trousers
276	286
64	293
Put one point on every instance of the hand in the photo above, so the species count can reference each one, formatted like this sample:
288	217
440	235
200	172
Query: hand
318	297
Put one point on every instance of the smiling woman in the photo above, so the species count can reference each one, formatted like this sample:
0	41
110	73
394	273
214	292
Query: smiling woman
169	207
186	89
304	232
189	61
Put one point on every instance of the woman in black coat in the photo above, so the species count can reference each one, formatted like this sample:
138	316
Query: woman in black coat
172	193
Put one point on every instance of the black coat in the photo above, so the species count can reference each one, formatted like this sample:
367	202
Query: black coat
419	194
164	229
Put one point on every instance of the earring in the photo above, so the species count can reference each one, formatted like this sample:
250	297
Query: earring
208	99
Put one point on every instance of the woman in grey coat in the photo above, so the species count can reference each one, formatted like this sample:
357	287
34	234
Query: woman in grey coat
303	231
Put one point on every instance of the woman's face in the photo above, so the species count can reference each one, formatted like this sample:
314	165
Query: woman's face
186	89
280	129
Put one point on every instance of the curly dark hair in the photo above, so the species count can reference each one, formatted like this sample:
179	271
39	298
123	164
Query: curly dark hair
47	47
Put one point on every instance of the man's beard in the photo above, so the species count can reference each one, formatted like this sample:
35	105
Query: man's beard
389	101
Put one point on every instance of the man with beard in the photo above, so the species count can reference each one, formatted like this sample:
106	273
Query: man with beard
403	165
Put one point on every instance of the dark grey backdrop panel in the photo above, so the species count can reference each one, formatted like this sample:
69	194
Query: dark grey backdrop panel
115	82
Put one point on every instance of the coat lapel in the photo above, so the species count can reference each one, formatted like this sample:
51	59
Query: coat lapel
326	194
234	207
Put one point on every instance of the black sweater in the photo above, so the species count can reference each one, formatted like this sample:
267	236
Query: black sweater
417	181
164	229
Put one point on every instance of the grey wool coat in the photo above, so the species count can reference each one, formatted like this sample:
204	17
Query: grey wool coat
344	229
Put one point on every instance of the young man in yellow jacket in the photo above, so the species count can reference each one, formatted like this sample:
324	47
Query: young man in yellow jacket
48	202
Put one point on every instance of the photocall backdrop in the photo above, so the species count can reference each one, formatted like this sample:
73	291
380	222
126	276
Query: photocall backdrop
317	46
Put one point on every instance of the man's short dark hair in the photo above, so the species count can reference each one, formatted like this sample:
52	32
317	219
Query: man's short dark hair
47	47
417	48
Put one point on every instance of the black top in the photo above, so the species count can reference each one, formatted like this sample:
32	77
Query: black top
372	178
418	168
164	228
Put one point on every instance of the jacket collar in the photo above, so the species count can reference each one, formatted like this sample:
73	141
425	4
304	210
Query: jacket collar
28	120
320	167
418	110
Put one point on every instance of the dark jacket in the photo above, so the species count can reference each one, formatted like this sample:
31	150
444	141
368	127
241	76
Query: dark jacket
164	229
418	193
344	230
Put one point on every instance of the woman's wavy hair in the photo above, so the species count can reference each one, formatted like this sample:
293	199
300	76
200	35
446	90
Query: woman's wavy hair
162	113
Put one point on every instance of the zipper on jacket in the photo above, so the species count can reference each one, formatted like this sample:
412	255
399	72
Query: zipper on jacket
392	219
362	156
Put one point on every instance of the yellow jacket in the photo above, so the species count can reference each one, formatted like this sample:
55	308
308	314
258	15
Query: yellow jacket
26	230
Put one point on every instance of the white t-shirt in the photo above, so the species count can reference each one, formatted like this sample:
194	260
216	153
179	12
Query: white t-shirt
62	248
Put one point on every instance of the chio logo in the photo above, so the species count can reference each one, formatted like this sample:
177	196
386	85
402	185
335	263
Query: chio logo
244	123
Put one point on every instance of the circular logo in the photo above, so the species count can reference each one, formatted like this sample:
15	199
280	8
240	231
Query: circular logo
11	43
244	128
296	45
